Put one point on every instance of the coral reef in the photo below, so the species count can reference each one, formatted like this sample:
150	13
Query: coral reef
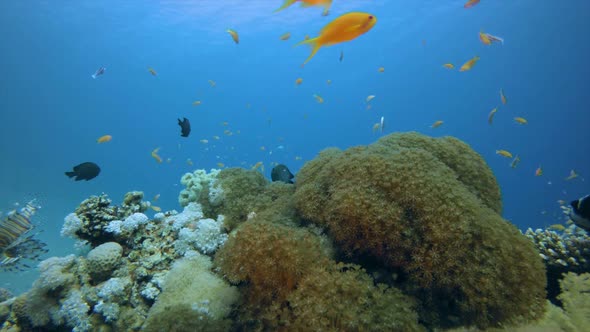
234	193
90	220
427	209
193	299
562	251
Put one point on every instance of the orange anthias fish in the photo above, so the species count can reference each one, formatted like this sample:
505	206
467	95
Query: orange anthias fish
469	64
470	3
234	35
104	139
156	156
503	97
491	115
308	3
488	39
449	65
539	171
342	29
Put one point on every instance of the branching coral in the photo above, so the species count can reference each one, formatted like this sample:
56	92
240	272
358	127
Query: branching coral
428	208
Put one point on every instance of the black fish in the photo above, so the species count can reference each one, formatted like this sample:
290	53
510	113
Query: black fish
185	127
580	213
281	173
85	171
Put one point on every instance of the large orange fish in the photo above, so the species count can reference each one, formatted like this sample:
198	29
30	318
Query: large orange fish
308	3
344	28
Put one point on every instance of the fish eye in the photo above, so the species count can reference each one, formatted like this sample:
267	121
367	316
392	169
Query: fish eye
370	17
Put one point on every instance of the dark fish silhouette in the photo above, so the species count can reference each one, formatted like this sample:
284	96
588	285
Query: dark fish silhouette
85	171
580	213
185	127
281	173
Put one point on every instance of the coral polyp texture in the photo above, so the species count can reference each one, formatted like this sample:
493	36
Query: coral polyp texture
428	209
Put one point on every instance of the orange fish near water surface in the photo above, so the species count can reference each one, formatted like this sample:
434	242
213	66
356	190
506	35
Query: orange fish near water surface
342	29
308	3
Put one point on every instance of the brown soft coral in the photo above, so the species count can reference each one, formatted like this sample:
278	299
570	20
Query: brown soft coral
429	208
269	259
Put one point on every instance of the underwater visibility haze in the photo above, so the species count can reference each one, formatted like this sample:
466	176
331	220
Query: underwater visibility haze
145	140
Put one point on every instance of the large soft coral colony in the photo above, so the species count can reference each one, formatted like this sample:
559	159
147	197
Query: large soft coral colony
428	209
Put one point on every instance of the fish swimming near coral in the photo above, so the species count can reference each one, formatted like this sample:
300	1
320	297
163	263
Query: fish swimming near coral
281	173
185	127
580	212
84	171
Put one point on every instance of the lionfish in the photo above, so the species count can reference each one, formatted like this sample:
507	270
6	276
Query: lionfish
17	242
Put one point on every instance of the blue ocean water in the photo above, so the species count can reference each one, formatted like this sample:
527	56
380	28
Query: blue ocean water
52	111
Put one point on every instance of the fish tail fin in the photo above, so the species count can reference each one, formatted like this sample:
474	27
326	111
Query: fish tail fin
70	174
315	44
286	4
327	5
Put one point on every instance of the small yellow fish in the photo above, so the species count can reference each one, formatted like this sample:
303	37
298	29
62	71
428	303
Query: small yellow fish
298	81
212	83
286	36
328	82
491	115
557	227
204	141
503	97
488	39
220	165
189	162
376	126
369	98
318	98
437	124
469	64
234	35
155	208
539	171
258	165
381	69
152	71
156	197
572	175
504	153
449	65
342	29
104	139
156	156
515	162
196	103
520	120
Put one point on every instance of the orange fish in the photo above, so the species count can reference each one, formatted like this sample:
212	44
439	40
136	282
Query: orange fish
104	139
234	35
539	171
470	3
488	39
503	97
381	69
299	81
342	29
491	115
308	3
449	65
469	64
286	36
437	124
156	156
